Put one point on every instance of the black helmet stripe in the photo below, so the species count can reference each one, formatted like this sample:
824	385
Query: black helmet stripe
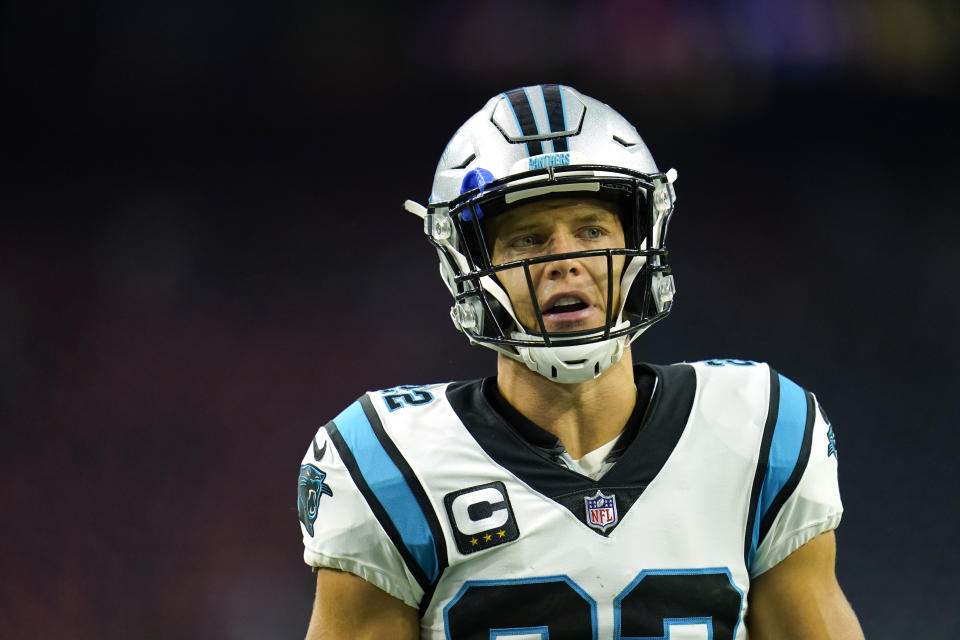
524	114
553	100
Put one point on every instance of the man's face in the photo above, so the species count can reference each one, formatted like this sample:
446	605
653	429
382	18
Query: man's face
571	293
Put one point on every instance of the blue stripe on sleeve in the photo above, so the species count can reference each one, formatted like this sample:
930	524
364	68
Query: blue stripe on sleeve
389	486
784	450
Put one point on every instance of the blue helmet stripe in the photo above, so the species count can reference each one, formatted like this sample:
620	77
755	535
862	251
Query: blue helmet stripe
786	446
389	488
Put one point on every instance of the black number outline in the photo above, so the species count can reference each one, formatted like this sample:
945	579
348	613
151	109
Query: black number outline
618	600
722	362
518	581
416	397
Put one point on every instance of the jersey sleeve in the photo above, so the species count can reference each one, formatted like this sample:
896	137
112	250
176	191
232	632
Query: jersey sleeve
340	530
813	506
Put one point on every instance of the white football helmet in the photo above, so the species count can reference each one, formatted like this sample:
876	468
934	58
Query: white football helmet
540	142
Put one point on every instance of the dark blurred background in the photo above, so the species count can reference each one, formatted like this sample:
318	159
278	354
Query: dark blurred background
203	259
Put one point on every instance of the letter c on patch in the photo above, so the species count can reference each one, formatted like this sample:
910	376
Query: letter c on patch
489	497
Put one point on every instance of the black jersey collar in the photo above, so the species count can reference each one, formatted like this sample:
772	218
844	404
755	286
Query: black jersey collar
552	447
522	447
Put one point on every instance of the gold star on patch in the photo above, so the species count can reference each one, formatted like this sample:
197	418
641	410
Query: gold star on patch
474	541
487	537
501	533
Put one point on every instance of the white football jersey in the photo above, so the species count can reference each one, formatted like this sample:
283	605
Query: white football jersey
427	493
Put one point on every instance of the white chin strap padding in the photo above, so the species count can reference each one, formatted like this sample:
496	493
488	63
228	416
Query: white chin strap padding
578	363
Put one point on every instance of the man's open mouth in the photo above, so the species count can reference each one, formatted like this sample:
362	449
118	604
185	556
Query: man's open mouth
565	304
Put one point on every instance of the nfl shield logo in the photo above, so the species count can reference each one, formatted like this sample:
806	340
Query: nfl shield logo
601	511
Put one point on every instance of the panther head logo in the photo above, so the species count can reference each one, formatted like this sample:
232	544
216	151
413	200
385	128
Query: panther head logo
831	443
309	489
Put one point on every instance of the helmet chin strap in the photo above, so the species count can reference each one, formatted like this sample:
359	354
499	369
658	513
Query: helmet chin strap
575	363
578	363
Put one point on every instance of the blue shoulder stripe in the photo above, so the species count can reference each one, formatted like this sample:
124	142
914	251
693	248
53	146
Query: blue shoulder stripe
785	461
391	489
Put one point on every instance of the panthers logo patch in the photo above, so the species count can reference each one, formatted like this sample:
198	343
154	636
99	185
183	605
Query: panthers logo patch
831	438
309	489
831	443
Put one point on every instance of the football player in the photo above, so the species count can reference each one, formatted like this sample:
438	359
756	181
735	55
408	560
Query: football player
576	494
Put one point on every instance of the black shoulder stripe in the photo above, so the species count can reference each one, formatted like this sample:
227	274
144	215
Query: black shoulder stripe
795	477
764	456
524	112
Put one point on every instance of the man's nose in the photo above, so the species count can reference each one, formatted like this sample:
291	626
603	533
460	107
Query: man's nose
563	242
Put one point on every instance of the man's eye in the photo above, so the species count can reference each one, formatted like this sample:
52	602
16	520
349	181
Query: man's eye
524	242
593	233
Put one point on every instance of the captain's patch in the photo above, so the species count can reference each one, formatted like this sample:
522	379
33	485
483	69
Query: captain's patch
481	517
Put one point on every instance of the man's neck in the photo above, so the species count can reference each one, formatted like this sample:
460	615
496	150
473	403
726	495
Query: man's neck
584	415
